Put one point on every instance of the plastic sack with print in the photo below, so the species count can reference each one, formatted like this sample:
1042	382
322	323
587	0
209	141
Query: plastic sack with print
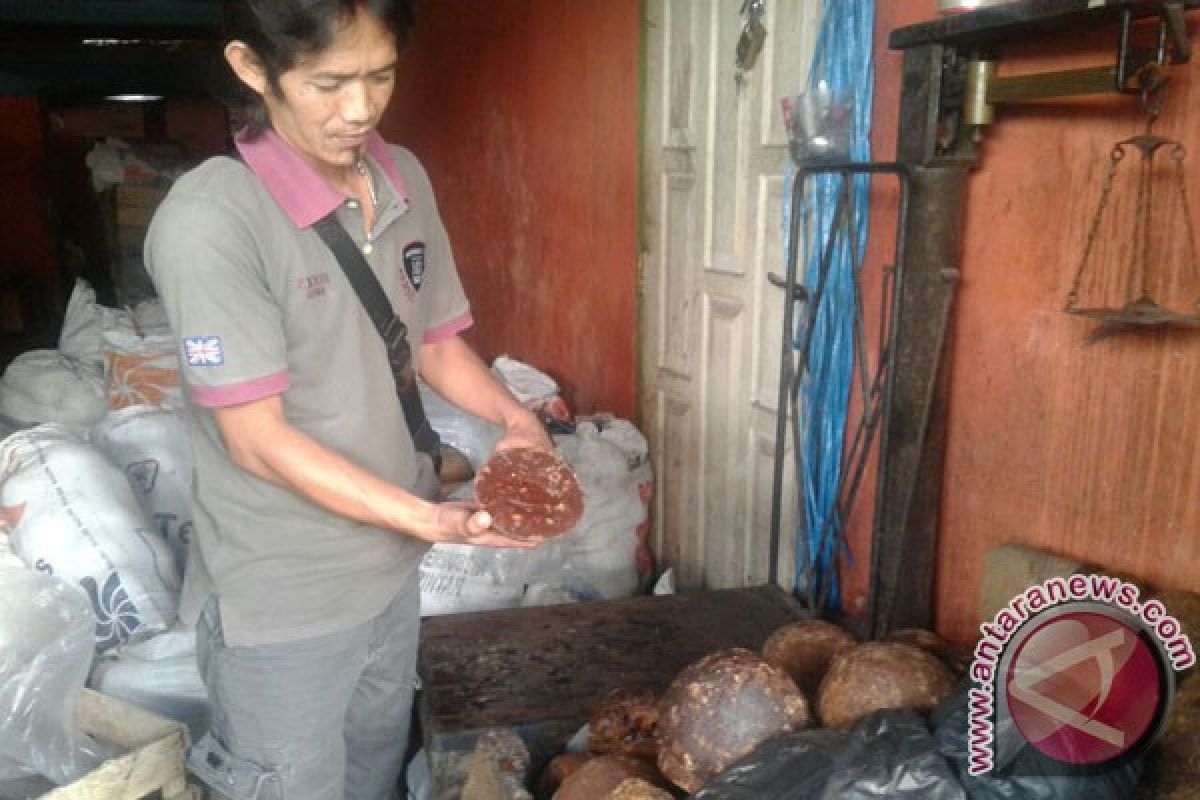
73	514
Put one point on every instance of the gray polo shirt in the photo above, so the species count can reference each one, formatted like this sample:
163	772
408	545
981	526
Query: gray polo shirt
261	308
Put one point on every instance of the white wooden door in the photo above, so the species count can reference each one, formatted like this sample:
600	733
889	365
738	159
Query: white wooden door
715	154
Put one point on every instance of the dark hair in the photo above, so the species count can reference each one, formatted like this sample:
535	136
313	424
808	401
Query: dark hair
280	32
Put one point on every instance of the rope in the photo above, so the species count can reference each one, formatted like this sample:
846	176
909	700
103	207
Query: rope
843	64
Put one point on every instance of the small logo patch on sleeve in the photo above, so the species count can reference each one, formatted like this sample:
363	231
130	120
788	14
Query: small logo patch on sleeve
204	351
414	263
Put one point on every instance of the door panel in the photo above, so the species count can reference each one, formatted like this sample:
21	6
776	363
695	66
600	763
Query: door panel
715	153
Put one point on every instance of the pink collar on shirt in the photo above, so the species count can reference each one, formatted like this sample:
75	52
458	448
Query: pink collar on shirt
298	188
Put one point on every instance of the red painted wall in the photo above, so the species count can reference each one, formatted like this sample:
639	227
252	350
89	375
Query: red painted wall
525	114
26	245
1085	450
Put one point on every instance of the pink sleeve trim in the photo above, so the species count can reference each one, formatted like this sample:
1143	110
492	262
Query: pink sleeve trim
447	329
237	393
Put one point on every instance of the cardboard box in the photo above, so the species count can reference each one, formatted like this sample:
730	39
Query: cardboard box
120	120
132	196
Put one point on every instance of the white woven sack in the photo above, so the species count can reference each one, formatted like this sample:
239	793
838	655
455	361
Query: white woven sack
142	368
625	435
460	577
601	552
151	446
84	322
73	514
45	386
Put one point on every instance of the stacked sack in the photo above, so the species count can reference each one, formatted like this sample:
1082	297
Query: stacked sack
106	359
150	445
606	556
73	514
96	487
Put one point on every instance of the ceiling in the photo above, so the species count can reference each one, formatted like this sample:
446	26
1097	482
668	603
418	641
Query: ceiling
72	49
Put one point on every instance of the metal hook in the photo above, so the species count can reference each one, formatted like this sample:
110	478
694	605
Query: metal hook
1153	79
754	34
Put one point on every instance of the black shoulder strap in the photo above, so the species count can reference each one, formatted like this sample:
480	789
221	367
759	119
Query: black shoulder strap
393	331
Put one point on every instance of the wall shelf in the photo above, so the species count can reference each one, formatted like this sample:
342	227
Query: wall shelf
997	25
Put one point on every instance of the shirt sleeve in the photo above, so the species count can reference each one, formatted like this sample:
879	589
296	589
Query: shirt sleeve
447	311
207	268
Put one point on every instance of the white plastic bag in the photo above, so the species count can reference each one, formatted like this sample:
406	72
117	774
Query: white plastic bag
84	323
601	552
159	674
45	650
625	435
533	389
529	385
46	386
470	435
151	446
73	514
113	162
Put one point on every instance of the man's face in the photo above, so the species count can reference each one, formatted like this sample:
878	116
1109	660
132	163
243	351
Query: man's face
328	102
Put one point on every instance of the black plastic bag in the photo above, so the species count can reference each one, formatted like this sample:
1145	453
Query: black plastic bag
890	754
1022	771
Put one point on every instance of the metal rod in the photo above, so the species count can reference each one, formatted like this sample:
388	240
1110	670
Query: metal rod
1176	24
785	365
1122	77
902	550
788	383
1047	85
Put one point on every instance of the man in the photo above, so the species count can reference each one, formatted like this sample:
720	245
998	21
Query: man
313	507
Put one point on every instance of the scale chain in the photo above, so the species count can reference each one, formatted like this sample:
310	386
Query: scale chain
1118	153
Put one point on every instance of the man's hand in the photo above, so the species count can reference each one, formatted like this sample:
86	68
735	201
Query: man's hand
460	523
455	372
524	430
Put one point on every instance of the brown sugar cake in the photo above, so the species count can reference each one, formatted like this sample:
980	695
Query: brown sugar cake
531	494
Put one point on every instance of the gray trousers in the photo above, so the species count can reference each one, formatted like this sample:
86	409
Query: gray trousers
324	718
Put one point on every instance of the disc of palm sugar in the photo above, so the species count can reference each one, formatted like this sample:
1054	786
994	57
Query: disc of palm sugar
603	774
558	770
638	789
880	675
530	493
804	649
624	723
958	659
721	708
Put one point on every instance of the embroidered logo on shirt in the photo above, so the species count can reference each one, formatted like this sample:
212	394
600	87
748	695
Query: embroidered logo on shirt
204	351
414	263
313	285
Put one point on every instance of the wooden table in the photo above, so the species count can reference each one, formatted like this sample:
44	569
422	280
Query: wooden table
540	671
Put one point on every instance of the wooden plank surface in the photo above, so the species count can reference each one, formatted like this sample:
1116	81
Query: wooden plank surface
155	760
528	666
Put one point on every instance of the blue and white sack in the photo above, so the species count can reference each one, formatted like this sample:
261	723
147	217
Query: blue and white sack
73	514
